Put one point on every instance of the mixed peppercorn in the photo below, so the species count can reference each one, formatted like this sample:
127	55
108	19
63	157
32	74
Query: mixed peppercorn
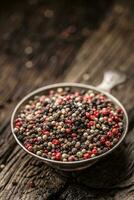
68	124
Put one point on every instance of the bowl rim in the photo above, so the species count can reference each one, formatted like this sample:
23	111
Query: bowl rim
67	84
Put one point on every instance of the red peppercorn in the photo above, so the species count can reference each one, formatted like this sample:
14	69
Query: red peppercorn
27	145
55	141
110	120
94	151
109	134
87	114
92	117
117	119
94	108
30	148
71	158
105	111
74	135
33	106
116	126
18	120
118	135
102	140
19	123
68	130
88	98
96	113
54	153
58	156
17	127
115	131
74	138
59	101
35	139
46	120
68	121
91	123
108	143
105	118
119	110
86	155
46	151
68	97
44	132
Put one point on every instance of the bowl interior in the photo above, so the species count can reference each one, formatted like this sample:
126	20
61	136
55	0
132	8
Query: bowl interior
78	86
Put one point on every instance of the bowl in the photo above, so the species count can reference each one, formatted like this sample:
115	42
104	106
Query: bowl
111	79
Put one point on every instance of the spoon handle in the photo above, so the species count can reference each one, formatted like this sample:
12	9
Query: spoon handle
111	79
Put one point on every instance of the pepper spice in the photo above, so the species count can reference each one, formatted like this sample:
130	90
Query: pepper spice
69	125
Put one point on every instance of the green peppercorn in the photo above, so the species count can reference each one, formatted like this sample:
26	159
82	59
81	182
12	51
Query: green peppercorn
79	154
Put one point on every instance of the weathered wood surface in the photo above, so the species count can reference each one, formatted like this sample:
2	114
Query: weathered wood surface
76	43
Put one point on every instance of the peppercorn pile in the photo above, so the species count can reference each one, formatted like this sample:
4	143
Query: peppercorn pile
68	124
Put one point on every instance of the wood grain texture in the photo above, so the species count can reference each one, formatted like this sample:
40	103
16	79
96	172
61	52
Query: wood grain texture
80	46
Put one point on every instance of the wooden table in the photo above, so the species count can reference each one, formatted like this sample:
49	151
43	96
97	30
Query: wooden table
43	42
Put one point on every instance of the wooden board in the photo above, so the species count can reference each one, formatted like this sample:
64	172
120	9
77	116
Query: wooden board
45	42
